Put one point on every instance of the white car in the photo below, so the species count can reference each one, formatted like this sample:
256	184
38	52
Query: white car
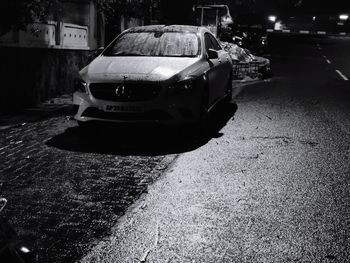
162	74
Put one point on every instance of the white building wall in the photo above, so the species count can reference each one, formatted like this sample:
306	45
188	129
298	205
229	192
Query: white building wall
70	35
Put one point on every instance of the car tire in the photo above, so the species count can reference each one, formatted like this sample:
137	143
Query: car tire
86	128
228	97
202	121
84	124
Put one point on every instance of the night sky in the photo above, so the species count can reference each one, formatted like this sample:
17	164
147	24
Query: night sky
281	6
179	11
297	6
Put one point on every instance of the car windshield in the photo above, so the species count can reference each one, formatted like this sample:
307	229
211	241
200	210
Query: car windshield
155	44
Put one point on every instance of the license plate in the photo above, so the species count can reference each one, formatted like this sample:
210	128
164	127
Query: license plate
121	108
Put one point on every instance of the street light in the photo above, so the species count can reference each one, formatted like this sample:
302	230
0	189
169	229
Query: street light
272	18
343	17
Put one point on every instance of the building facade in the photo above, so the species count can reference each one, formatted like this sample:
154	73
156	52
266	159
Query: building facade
43	61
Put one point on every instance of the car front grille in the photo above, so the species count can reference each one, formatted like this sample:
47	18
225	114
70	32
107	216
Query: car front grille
124	92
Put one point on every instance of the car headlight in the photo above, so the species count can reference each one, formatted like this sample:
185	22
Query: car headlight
80	85
184	86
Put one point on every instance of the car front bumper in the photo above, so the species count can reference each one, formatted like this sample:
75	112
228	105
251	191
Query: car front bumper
164	109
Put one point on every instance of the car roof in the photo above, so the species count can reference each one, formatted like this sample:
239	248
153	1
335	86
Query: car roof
167	28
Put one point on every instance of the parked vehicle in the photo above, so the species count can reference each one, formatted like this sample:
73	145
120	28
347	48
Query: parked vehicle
164	74
12	249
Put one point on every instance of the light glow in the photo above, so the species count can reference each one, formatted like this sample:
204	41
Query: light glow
164	71
25	250
344	17
272	18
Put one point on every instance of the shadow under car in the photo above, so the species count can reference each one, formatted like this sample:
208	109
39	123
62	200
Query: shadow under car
144	140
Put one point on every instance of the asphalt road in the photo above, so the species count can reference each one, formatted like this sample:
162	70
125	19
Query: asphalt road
336	52
268	181
271	186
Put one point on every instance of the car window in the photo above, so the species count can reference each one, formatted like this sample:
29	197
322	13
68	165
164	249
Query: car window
208	43
215	43
155	44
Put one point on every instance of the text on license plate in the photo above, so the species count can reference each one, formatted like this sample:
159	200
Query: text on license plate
121	108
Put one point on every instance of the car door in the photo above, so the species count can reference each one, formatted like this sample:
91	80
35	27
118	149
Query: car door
224	67
213	72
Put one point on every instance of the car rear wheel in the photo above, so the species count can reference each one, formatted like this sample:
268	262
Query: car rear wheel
228	97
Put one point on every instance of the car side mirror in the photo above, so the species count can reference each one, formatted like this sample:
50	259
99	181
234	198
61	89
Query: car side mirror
212	54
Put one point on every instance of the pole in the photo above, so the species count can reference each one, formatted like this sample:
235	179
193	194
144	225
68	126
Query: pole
202	16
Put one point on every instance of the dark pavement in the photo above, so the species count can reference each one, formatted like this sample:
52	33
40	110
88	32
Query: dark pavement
67	188
61	201
337	52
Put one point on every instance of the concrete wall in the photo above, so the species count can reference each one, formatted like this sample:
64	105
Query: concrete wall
84	13
32	75
36	67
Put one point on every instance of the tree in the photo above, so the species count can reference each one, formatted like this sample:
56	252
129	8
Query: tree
113	10
17	14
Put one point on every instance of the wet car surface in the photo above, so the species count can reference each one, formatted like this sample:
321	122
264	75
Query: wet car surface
157	74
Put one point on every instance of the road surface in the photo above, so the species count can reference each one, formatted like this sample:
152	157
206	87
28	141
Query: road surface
272	186
268	182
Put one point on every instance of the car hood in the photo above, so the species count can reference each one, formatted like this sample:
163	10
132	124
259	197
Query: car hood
136	68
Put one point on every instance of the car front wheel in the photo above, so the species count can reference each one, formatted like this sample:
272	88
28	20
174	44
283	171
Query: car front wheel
86	127
201	123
